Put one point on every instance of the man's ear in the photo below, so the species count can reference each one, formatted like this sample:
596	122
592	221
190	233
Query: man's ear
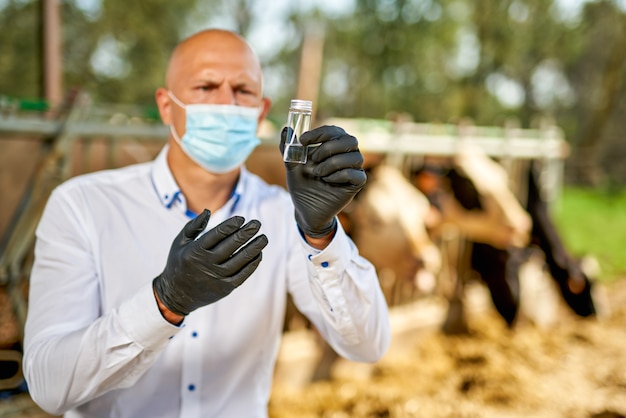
164	103
266	105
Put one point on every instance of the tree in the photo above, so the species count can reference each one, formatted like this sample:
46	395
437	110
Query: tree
390	56
137	36
598	74
20	46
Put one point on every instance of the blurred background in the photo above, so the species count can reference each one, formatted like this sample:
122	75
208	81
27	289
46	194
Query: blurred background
532	65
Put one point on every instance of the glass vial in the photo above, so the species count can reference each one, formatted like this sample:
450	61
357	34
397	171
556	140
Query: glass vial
298	122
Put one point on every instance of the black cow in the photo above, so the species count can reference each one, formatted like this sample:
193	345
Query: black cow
573	282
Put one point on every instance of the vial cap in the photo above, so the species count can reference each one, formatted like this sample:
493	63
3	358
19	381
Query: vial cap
305	105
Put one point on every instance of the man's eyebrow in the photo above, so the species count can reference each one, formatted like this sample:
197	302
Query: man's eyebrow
247	83
243	83
208	78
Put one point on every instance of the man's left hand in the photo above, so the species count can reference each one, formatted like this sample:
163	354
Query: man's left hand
331	177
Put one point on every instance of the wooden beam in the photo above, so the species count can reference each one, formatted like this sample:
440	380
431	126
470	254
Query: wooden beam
52	55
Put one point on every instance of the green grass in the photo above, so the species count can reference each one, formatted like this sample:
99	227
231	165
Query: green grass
593	221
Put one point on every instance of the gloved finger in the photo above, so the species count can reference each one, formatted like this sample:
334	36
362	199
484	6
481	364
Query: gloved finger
322	134
242	275
353	177
227	247
338	162
196	226
244	256
215	235
339	145
283	139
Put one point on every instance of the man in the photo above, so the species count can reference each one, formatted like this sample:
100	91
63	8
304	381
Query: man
125	322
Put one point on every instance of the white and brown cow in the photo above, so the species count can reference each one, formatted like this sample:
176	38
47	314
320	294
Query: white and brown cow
388	222
474	195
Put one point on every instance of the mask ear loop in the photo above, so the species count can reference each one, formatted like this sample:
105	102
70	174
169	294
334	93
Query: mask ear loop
182	105
175	135
175	99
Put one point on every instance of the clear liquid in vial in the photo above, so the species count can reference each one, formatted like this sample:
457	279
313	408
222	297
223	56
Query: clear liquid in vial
298	122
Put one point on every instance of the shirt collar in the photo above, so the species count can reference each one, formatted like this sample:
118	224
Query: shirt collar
163	181
238	191
169	192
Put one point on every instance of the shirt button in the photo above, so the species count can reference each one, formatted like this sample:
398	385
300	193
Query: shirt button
325	264
191	387
194	334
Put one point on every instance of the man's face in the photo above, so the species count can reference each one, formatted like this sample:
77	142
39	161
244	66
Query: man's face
213	68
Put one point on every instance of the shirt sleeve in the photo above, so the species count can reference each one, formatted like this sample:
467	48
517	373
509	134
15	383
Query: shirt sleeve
342	297
74	352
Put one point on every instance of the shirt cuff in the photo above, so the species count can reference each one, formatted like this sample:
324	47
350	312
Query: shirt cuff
142	321
335	255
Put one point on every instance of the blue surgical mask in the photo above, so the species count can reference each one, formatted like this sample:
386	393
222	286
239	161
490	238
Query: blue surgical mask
218	137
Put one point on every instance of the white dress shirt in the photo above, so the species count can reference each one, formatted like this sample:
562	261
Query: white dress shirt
96	344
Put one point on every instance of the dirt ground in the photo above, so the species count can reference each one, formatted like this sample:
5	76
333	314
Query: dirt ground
575	368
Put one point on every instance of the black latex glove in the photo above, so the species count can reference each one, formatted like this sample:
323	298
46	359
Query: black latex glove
328	181
203	270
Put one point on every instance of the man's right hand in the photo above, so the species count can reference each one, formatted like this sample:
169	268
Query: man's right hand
203	269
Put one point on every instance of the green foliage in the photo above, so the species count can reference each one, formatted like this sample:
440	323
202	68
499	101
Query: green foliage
145	33
19	72
593	221
390	56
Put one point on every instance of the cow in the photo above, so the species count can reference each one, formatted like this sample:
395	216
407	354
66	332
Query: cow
388	221
502	234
